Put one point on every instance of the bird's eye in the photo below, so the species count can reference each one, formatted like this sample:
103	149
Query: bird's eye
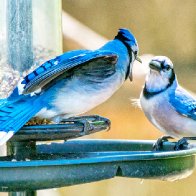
167	67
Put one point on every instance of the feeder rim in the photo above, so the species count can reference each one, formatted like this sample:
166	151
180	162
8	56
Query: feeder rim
105	157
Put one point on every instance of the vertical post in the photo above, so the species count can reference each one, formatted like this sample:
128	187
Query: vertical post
20	58
20	151
19	34
23	193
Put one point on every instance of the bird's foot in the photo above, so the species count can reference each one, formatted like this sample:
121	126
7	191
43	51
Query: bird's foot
158	145
181	144
87	126
88	117
97	119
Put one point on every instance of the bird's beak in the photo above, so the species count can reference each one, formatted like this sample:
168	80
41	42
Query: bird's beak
155	65
138	59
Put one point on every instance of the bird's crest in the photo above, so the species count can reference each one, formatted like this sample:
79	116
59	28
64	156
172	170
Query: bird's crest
126	36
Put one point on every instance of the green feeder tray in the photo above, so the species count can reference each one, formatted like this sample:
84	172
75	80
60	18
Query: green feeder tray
29	166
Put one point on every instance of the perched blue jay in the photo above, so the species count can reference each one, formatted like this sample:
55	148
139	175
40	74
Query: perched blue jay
165	103
70	84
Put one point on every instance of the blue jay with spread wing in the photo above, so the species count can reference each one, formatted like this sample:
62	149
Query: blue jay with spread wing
70	84
165	103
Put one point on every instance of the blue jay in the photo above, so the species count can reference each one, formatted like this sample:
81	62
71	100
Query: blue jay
70	84
165	103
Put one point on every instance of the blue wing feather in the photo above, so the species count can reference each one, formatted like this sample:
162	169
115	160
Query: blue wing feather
184	103
48	64
44	74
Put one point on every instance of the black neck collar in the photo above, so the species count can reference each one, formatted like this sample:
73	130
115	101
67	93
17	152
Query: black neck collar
149	95
123	40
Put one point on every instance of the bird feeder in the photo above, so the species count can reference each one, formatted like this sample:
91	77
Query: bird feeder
30	34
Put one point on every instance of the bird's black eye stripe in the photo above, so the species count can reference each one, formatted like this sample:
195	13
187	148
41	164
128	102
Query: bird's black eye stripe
163	65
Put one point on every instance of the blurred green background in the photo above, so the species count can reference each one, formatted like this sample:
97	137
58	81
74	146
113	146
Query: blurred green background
162	28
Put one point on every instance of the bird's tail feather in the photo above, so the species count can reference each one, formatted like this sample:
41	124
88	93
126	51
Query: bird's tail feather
13	115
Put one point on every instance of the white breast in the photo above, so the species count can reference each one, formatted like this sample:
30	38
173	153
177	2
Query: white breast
162	114
155	82
149	107
77	98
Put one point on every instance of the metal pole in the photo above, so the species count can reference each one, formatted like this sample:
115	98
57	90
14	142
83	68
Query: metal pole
21	151
20	58
19	34
24	193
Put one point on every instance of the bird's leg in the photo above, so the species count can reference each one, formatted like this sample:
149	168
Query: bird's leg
87	126
182	144
88	117
159	143
95	118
